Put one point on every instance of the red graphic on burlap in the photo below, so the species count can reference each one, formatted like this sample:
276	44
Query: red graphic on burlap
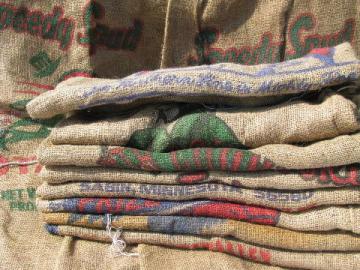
233	248
342	176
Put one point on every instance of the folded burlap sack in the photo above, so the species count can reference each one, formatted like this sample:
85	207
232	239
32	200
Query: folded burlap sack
251	233
283	200
348	175
341	150
127	206
302	260
163	258
151	129
346	218
219	83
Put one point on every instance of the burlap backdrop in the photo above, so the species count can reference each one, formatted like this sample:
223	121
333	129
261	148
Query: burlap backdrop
39	48
32	63
213	31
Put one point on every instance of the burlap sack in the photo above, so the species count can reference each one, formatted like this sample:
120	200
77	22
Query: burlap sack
162	258
245	32
164	128
321	68
90	130
43	43
82	38
347	175
345	218
264	235
302	260
126	206
283	200
342	150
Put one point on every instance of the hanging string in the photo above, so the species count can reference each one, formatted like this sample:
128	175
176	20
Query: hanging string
118	245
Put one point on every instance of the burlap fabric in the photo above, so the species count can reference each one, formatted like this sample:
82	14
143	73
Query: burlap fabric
321	68
347	175
45	42
213	31
342	150
342	217
34	60
251	233
283	200
307	260
165	128
162	258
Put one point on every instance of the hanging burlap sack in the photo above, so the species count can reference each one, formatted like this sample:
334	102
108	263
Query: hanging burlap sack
163	258
151	129
221	83
216	31
305	260
283	200
342	150
344	218
251	233
43	43
347	175
82	38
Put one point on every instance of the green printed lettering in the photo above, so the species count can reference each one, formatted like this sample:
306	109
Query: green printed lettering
259	54
6	17
34	23
50	22
7	195
64	33
93	11
19	21
305	22
31	192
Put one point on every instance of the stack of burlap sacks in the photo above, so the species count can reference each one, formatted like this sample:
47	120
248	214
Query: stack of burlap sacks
260	162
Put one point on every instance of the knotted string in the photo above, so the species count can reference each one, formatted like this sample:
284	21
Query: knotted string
118	245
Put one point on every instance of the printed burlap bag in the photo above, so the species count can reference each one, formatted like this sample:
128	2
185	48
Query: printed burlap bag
221	83
163	258
341	150
43	43
306	260
283	200
19	215
166	128
347	175
344	218
82	38
216	31
251	233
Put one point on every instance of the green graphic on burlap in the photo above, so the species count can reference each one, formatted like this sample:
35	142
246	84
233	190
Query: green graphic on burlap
43	64
194	130
26	129
20	199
